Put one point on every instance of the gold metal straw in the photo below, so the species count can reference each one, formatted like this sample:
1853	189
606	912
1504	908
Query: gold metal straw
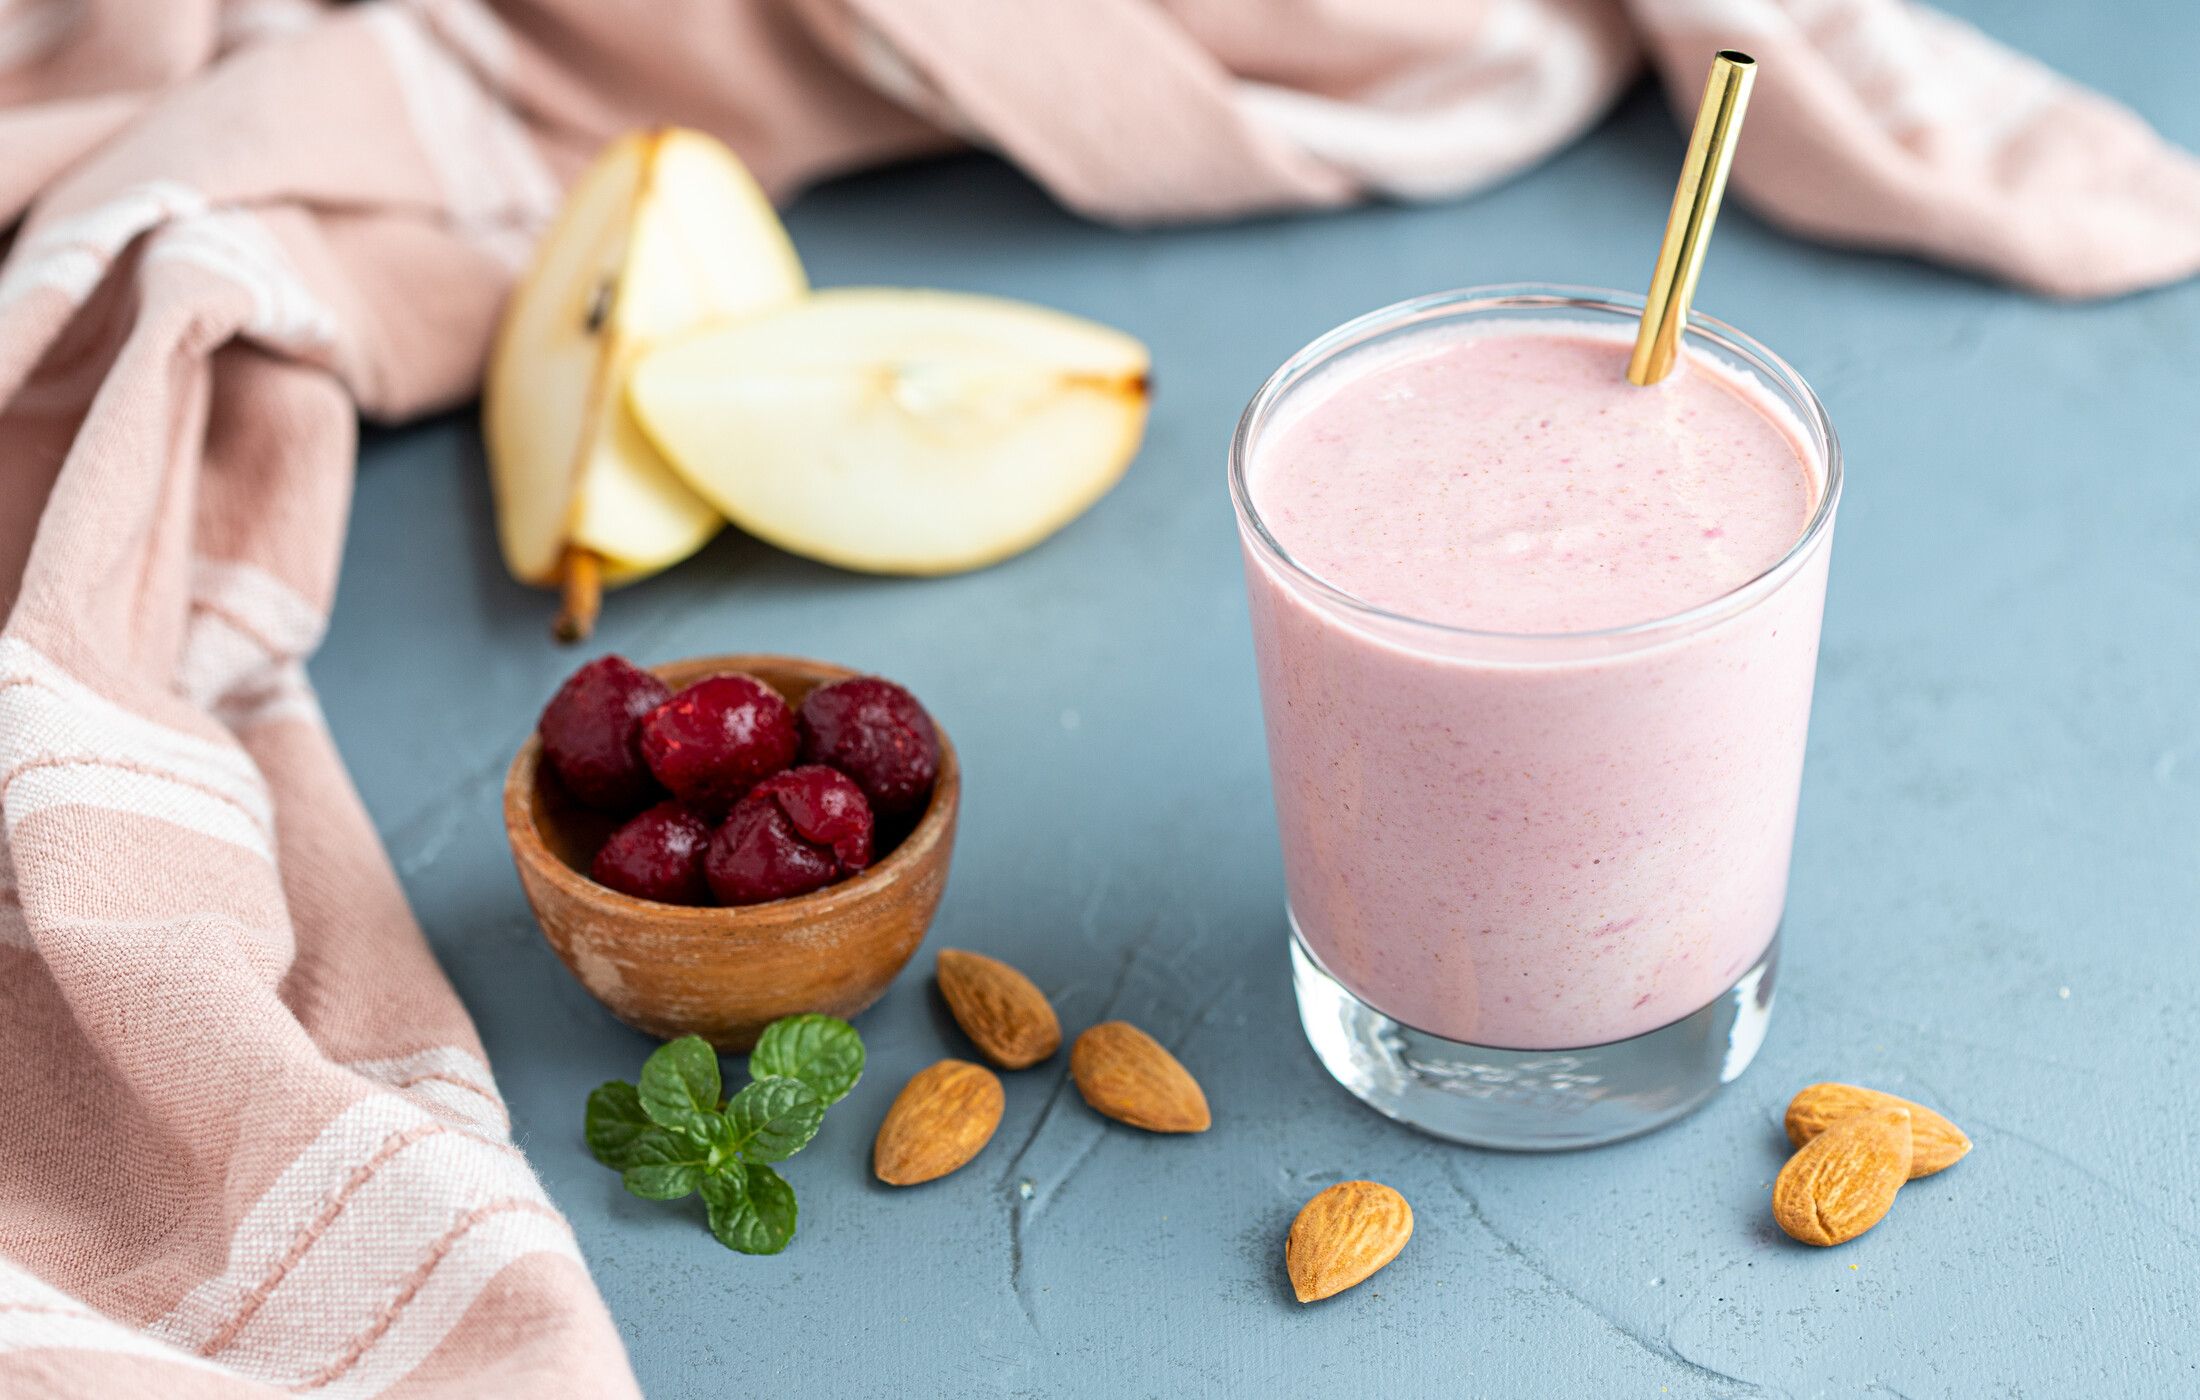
1695	209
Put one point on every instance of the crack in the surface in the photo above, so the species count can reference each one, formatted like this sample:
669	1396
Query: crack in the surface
1206	1009
428	831
1663	1349
1089	917
1018	1204
1122	983
1127	964
1016	1285
1038	1125
1092	1144
1199	934
1061	1085
1023	1210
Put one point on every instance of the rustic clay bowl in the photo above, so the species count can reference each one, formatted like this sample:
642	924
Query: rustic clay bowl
725	974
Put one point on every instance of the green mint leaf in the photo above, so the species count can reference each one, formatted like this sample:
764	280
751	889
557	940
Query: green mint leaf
667	1182
680	1085
751	1208
823	1052
772	1119
665	1165
726	1202
773	1201
615	1119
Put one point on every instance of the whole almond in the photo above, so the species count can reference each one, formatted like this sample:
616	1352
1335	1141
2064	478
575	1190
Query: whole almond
1002	1011
941	1119
1842	1182
1935	1143
1124	1073
1343	1236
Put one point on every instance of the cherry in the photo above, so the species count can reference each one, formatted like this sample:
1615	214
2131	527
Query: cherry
876	733
795	832
713	740
589	733
658	855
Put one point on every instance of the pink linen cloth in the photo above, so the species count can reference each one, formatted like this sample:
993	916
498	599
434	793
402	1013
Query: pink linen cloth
251	1144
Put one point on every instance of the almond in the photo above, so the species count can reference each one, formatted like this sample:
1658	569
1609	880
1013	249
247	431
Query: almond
1124	1073
1343	1236
1935	1143
1002	1011
1842	1182
941	1119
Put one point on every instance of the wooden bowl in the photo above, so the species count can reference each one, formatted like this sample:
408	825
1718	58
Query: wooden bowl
725	974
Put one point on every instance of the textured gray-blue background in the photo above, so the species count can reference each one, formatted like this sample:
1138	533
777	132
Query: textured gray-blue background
1996	901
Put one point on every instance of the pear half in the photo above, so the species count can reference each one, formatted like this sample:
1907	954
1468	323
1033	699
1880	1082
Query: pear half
665	231
891	431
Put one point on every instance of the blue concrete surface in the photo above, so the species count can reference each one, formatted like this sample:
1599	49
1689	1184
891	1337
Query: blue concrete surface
1996	902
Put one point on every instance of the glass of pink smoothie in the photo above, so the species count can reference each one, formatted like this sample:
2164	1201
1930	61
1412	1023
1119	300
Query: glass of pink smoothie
1536	648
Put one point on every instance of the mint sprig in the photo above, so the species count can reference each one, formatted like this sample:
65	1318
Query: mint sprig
673	1135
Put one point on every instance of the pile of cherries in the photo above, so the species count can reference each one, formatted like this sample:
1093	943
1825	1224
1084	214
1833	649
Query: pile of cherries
731	796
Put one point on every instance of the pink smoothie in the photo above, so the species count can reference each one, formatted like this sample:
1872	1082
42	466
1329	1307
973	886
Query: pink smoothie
1552	841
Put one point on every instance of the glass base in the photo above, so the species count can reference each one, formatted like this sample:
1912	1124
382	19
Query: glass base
1532	1100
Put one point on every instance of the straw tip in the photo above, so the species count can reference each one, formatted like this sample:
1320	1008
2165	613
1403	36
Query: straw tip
1736	57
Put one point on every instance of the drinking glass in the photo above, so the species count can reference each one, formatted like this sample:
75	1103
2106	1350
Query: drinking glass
1494	841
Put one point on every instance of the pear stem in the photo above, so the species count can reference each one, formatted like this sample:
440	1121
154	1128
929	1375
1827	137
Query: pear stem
580	587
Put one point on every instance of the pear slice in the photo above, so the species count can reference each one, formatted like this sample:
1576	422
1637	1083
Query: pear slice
664	232
891	431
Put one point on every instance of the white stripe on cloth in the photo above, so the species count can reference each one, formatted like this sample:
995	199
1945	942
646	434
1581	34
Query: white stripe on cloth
440	1293
497	189
248	628
473	29
61	744
288	698
1453	124
232	244
364	1252
71	254
215	762
401	1230
73	272
104	786
222	659
35	1316
452	1082
246	22
1740	20
1917	70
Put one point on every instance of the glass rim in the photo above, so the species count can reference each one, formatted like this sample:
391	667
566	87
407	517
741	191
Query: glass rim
1709	330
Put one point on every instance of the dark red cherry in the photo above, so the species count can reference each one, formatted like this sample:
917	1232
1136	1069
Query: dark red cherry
795	832
712	741
590	733
876	733
658	855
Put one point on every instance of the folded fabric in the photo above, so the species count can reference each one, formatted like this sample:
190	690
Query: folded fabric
253	1145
